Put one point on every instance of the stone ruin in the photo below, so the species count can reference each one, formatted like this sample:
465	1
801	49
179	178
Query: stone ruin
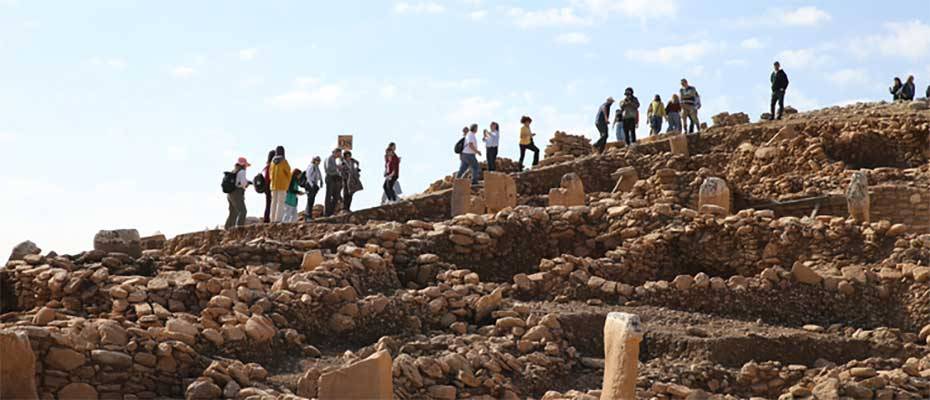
763	263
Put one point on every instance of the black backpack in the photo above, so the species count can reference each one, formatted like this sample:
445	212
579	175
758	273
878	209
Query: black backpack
459	146
260	185
229	182
302	180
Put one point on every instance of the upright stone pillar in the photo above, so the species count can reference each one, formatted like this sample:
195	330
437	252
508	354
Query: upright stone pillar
857	197
626	180
461	196
570	193
679	144
17	366
714	192
368	379
622	335
500	191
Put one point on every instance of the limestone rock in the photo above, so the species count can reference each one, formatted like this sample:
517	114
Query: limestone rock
500	191
312	259
375	371
260	328
77	391
17	364
126	241
24	249
570	193
805	274
64	359
203	389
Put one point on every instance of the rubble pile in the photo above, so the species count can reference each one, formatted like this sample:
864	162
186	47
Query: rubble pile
777	260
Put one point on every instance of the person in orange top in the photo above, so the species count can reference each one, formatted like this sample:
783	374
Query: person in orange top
280	177
526	140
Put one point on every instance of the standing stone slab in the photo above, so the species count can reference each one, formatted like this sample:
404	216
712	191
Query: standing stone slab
17	364
714	191
119	241
626	180
857	197
370	378
500	191
679	144
24	249
461	196
622	336
570	193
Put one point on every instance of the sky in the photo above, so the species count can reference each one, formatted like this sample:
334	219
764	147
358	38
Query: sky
123	114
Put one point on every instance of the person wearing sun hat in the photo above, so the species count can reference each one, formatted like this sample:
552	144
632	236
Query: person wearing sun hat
236	198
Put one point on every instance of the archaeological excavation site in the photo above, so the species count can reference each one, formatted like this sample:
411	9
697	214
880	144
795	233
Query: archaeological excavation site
773	260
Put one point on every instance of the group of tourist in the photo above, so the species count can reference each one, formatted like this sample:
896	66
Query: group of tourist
467	148
681	109
282	185
904	91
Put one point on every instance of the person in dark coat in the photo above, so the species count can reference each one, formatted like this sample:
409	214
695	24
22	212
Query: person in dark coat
895	89
779	81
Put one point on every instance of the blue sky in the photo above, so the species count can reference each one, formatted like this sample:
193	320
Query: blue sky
124	113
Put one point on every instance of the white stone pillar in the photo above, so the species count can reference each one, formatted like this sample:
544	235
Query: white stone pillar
622	336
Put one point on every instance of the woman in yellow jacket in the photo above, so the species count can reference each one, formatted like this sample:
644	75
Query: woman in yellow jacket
280	174
655	113
526	141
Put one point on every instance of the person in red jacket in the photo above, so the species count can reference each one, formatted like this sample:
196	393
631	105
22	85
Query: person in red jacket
391	171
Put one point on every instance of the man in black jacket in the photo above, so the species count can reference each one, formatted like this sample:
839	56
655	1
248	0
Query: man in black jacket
779	81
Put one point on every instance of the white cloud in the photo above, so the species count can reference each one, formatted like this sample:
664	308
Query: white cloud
803	58
849	77
564	16
905	39
248	54
739	62
115	63
388	91
305	81
461	84
183	72
687	52
426	7
318	97
642	9
752	43
572	38
478	15
805	16
7	137
474	109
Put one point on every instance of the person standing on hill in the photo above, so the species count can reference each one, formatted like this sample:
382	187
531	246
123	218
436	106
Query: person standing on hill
391	171
314	181
600	122
280	175
618	125
630	108
655	113
908	90
895	89
350	179
470	155
673	114
290	201
333	182
526	140
491	141
236	198
779	80
690	103
266	172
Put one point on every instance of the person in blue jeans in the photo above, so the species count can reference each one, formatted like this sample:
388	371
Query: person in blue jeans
618	126
470	155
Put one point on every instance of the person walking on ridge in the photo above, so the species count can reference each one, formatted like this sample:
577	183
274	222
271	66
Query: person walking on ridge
314	181
618	126
469	155
630	108
391	171
690	103
350	179
280	175
333	182
266	172
600	122
779	80
673	114
895	89
236	198
908	90
491	141
526	140
655	113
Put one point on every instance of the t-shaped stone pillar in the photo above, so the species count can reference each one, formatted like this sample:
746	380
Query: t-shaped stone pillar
622	335
570	193
714	191
857	197
500	191
461	196
679	144
627	178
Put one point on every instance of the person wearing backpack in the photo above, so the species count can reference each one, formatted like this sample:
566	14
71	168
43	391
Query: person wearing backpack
526	141
314	179
266	177
280	174
234	184
333	182
351	180
630	107
290	200
470	155
391	171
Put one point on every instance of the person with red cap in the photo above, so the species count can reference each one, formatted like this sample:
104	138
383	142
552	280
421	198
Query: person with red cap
236	198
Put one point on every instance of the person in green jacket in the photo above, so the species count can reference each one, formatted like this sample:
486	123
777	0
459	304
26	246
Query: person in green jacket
290	200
